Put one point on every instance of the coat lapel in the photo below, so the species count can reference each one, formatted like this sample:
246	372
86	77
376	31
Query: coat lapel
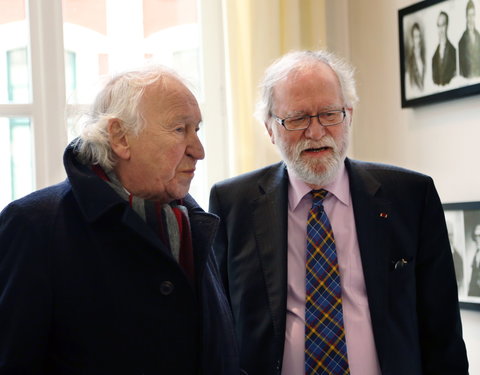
96	199
270	224
132	220
372	219
203	228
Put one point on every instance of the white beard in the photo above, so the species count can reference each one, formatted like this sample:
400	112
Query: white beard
319	172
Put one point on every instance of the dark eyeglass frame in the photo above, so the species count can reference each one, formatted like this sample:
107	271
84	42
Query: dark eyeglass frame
281	121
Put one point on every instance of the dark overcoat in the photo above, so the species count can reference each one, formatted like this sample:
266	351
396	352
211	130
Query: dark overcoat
86	287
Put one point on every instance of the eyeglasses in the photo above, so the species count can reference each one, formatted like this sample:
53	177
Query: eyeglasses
330	118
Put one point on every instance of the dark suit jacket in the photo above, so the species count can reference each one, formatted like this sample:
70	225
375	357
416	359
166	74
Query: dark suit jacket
414	309
86	287
443	70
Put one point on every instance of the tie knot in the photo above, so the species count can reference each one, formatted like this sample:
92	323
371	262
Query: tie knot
319	195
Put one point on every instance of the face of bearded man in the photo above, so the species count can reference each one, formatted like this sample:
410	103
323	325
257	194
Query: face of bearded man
316	153
319	171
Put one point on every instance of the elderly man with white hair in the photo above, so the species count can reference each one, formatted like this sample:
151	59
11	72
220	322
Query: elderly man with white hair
332	265
112	270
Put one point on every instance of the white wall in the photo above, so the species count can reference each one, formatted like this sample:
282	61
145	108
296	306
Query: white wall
440	140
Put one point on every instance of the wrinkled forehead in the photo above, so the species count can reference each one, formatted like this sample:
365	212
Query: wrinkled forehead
169	100
168	86
166	92
310	67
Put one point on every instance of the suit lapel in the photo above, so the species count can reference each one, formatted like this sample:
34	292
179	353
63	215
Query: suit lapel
371	211
269	211
372	219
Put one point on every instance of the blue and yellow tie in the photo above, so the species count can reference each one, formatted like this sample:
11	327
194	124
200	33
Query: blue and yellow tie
325	347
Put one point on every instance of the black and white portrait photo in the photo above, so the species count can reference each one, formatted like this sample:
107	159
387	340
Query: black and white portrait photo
463	226
439	50
469	45
416	58
472	234
444	60
455	227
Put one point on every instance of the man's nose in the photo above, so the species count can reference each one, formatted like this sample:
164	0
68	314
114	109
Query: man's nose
315	130
195	149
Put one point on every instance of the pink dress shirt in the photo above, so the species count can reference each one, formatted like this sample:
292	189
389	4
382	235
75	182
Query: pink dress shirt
362	355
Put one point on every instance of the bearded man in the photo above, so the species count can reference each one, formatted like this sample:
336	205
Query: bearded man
332	265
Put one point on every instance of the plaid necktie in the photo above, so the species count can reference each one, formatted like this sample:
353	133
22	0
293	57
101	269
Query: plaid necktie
325	347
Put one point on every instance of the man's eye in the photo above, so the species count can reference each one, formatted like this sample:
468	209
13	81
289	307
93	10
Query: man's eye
180	129
328	114
296	119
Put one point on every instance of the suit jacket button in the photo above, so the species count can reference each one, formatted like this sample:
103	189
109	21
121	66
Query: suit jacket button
166	287
277	366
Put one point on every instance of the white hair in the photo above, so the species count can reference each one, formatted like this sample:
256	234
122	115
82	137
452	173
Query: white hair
298	60
119	99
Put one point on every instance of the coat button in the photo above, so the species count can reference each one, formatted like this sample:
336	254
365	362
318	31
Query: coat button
277	366
166	288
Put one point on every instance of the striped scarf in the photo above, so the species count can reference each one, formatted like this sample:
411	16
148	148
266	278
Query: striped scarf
169	221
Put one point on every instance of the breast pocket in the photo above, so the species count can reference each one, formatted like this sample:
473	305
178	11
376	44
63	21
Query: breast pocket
401	281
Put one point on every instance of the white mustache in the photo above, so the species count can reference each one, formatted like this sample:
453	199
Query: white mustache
307	144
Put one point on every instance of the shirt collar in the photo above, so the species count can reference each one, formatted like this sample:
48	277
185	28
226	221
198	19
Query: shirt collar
339	188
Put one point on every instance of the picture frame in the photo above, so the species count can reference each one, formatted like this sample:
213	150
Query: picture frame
432	74
463	222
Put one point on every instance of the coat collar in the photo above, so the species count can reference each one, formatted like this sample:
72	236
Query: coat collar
94	196
204	226
97	199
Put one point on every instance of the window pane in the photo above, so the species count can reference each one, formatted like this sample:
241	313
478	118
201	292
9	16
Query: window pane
98	41
15	86
17	75
16	167
70	74
172	36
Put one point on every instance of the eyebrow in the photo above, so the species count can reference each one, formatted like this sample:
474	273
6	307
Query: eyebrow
185	118
324	109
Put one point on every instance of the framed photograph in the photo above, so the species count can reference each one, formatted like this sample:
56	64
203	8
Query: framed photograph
463	224
439	50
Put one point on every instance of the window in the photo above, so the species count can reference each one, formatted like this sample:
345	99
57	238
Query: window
17	130
18	77
86	40
16	156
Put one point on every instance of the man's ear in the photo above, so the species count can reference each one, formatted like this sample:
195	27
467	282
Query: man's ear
118	139
270	131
